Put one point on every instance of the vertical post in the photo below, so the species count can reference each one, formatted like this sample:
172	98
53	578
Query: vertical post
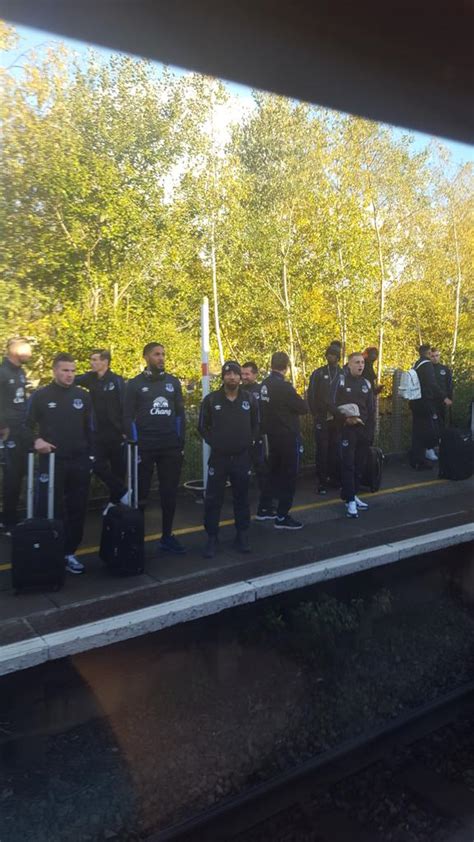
205	376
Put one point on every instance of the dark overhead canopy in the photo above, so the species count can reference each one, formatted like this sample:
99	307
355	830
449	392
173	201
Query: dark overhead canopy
407	63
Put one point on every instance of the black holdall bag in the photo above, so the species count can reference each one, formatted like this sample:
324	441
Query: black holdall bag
38	543
372	477
122	544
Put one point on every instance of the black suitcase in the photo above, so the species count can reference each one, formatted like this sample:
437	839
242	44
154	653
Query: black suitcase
122	543
373	470
38	543
455	454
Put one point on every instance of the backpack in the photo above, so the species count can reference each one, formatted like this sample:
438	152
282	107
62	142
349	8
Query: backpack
410	386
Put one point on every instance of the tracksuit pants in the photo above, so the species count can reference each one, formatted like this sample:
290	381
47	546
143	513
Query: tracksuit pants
168	463
71	491
109	465
259	463
280	483
327	452
425	431
235	468
14	469
355	443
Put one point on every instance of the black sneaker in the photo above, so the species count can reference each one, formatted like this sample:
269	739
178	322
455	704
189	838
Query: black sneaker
210	548
287	522
242	542
322	490
170	544
265	514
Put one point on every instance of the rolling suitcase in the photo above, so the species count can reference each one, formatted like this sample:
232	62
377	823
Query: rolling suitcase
373	470
38	543
122	544
456	454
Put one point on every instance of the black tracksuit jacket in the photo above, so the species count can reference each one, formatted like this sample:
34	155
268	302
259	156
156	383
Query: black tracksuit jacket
444	379
154	410
229	427
280	406
431	392
62	416
357	390
322	390
12	397
107	393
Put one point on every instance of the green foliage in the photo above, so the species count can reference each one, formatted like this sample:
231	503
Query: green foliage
123	201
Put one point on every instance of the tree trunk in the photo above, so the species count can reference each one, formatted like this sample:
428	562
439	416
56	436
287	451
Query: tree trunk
457	308
215	294
289	320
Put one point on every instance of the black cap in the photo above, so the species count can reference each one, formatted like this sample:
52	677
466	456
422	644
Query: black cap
231	365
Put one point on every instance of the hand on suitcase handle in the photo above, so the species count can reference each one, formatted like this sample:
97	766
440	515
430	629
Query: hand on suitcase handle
42	446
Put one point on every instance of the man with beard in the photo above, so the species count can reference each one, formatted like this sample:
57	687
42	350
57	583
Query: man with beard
106	390
321	393
257	451
12	417
154	417
228	423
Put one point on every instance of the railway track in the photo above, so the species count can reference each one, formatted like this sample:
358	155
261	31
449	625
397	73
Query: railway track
321	800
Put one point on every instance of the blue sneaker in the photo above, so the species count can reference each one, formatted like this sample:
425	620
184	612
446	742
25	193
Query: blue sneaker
170	544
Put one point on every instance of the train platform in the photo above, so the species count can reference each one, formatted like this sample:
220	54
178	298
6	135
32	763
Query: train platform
412	513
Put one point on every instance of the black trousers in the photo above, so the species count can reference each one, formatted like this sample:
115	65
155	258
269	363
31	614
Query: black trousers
109	465
168	463
425	431
355	443
259	463
14	470
327	450
222	468
280	483
71	491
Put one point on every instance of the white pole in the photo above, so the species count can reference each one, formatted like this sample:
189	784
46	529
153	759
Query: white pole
205	375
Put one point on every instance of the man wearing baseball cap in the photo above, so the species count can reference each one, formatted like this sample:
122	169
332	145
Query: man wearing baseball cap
228	423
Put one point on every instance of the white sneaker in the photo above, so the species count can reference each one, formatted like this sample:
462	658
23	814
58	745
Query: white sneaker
351	509
360	504
431	455
73	565
107	509
125	499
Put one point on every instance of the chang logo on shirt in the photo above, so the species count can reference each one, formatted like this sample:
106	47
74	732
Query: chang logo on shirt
365	389
443	371
52	405
77	403
110	387
345	443
145	389
217	406
19	395
160	407
169	387
245	405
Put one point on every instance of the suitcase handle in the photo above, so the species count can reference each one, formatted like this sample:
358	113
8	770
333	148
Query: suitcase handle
132	473
30	485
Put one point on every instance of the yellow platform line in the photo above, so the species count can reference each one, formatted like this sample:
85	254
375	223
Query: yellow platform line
188	530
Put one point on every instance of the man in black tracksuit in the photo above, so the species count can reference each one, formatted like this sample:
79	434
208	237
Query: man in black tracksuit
321	393
356	430
444	379
229	424
425	429
12	418
106	390
59	419
154	416
280	408
257	451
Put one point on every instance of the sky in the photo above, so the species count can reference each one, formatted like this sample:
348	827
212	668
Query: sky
242	99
